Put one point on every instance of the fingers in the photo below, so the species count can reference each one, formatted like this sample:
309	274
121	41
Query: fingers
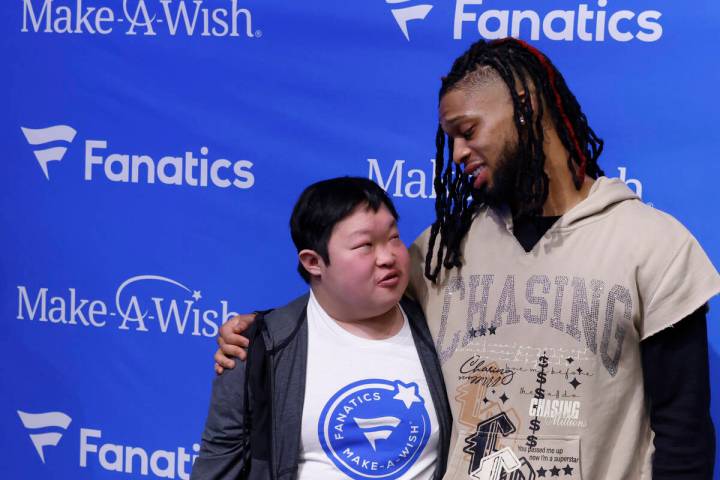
233	339
230	330
240	323
242	354
229	351
231	342
222	360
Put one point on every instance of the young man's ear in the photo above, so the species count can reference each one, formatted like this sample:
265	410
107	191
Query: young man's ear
312	262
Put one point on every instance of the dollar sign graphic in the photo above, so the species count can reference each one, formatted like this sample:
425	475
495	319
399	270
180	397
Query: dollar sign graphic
541	377
539	393
534	425
543	361
531	441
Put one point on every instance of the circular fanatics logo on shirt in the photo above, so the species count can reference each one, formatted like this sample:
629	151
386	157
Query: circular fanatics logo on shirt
375	428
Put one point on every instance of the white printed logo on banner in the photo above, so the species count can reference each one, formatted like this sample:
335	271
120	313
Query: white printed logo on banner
49	135
43	421
633	183
132	460
585	22
404	14
192	18
581	23
188	168
142	303
400	182
113	457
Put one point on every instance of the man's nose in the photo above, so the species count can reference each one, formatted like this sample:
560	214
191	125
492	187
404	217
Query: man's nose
460	152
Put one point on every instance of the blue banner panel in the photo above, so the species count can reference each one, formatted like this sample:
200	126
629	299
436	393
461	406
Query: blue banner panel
154	150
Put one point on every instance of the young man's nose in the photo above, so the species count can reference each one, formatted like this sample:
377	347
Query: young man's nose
385	255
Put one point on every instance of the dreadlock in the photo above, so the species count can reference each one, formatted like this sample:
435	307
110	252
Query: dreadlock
516	63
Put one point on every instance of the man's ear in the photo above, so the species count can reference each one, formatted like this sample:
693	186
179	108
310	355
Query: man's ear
312	262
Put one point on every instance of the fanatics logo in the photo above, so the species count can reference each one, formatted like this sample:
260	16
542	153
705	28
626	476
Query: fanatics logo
44	136
404	14
374	428
38	421
193	168
581	22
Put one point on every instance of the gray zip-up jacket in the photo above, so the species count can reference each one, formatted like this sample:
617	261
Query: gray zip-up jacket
254	423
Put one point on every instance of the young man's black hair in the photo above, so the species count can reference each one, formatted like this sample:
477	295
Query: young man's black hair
324	204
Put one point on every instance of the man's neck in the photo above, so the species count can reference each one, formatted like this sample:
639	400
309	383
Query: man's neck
373	327
563	195
562	199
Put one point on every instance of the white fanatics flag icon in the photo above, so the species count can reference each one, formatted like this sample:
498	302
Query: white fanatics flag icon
37	421
405	14
43	136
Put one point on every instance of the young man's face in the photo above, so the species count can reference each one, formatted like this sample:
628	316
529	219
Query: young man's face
368	270
479	118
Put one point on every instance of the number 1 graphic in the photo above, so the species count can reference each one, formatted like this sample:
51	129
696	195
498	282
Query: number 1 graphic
493	466
483	442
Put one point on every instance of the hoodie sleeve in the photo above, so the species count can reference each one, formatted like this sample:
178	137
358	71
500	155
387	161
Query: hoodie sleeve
682	281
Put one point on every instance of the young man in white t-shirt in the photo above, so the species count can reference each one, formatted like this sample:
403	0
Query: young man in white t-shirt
343	382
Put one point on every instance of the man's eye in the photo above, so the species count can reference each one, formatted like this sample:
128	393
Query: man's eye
362	245
467	134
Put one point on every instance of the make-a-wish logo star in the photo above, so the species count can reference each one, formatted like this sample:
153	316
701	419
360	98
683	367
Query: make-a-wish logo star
407	394
405	14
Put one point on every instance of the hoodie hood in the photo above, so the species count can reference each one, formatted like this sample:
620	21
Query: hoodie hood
604	194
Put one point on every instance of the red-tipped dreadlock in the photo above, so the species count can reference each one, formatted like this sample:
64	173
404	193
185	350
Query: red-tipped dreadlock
551	72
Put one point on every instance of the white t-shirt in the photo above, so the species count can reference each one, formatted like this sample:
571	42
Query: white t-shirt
367	412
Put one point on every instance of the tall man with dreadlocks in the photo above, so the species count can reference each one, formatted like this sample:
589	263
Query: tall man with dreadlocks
550	289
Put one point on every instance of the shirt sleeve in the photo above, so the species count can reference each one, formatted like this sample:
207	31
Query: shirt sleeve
677	384
682	281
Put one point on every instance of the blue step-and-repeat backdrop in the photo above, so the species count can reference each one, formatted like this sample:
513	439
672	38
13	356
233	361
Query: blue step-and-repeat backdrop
153	150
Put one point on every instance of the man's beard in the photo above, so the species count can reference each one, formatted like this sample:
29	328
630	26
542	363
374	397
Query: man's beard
504	179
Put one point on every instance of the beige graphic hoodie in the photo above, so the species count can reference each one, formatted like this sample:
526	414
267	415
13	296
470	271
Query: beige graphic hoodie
540	350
